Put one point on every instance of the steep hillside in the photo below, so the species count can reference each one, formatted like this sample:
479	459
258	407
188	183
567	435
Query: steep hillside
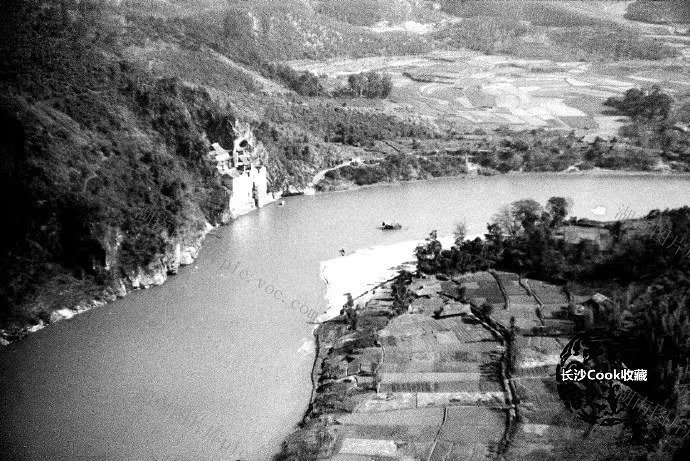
112	107
554	30
100	142
293	30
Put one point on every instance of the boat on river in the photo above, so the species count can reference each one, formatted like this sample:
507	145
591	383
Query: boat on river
390	226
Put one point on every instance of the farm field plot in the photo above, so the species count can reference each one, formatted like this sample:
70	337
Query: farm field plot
465	90
548	294
438	394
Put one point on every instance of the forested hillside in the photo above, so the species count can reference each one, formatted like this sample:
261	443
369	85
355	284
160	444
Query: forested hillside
109	110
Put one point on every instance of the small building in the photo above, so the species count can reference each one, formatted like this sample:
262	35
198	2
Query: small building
593	312
595	236
244	171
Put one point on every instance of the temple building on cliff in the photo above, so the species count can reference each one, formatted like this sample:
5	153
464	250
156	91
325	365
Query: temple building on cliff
243	171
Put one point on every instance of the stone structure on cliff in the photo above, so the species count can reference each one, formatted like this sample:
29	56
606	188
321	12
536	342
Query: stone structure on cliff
243	170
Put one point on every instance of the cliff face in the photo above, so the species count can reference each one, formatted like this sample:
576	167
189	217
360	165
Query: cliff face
107	212
107	164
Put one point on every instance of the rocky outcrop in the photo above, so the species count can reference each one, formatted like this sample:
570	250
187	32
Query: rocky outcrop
246	177
182	252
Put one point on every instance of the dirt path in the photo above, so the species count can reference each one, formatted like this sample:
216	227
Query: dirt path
319	176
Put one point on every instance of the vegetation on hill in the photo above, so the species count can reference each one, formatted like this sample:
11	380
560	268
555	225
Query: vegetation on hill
114	108
397	167
365	12
102	141
544	29
658	121
659	11
293	30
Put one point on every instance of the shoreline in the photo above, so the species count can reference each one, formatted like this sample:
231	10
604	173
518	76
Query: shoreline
121	287
382	263
156	273
591	172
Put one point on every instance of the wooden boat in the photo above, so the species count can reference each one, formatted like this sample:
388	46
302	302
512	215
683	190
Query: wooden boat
391	226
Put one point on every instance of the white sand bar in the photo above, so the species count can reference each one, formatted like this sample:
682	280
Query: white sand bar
363	270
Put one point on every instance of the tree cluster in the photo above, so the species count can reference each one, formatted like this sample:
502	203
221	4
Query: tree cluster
303	83
647	103
370	85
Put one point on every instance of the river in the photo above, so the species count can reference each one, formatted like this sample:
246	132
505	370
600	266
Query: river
215	364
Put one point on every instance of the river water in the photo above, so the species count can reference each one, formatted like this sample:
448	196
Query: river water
215	364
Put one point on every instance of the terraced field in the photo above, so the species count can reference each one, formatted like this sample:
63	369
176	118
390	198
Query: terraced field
465	90
443	382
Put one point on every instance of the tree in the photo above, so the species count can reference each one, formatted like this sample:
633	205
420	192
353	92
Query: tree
503	222
402	297
557	209
459	233
518	217
428	254
370	85
350	311
356	82
527	212
648	103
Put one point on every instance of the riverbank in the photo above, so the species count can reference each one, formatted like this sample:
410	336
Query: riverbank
361	271
501	153
181	251
592	172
